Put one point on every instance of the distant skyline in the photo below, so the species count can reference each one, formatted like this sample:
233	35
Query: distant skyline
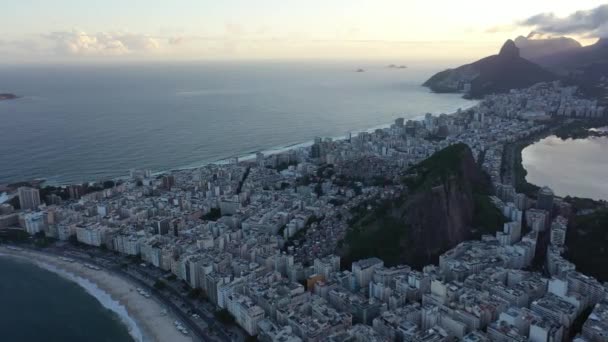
36	31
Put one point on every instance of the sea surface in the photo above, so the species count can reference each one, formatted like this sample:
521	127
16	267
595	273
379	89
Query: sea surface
575	167
39	305
91	122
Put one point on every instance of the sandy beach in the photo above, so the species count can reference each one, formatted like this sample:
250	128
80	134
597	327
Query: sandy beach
145	317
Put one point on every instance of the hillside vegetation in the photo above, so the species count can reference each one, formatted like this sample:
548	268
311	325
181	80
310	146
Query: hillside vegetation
447	202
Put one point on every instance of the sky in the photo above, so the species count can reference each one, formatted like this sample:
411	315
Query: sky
110	30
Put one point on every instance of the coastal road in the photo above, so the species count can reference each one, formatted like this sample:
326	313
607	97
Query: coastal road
511	157
508	175
186	302
196	332
210	327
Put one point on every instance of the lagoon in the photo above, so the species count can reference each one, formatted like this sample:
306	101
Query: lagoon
575	167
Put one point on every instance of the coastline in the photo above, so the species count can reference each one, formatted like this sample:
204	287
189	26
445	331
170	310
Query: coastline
251	155
294	145
142	316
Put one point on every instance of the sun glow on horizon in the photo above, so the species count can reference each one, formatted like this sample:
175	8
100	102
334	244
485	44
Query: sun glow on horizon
238	29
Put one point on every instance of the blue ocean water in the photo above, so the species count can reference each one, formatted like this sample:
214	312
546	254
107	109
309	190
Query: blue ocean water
38	305
89	122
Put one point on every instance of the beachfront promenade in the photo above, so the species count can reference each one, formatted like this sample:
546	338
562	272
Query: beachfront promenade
202	328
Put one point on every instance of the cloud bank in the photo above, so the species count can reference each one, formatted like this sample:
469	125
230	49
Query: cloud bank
588	23
79	43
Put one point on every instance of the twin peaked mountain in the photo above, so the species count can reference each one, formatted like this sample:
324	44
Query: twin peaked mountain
524	62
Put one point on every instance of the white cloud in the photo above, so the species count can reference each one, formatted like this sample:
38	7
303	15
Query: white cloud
102	43
590	23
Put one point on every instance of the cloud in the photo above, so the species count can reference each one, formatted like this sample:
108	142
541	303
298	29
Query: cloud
501	28
234	29
101	44
176	40
588	23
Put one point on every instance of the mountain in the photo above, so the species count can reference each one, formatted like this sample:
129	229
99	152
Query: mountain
586	67
494	74
577	58
586	242
446	204
535	49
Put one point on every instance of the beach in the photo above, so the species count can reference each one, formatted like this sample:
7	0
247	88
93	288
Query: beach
146	318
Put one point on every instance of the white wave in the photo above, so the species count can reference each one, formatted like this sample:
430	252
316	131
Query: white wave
103	297
207	92
296	146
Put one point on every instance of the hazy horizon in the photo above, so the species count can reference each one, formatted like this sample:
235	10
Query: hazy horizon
67	31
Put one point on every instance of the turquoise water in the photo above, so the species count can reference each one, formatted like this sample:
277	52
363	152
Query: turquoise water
38	305
85	122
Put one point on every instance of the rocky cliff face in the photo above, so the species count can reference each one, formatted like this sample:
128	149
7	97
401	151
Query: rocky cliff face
438	213
536	49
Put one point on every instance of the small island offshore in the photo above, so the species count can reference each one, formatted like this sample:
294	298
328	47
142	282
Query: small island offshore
8	96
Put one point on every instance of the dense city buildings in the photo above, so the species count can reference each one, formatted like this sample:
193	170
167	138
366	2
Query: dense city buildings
260	237
29	198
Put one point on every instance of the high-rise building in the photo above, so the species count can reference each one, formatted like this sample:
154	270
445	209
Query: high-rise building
363	270
537	219
168	181
315	151
559	227
75	191
327	265
53	199
545	199
161	227
259	158
29	198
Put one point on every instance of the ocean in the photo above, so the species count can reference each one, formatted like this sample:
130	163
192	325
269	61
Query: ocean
39	305
91	122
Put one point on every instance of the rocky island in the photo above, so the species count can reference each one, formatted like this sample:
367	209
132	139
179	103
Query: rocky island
494	74
8	96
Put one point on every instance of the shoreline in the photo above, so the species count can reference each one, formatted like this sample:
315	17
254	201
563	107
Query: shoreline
141	316
537	170
250	155
247	156
518	173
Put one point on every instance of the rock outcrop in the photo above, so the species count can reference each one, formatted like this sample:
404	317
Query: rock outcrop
438	213
536	49
4	97
494	74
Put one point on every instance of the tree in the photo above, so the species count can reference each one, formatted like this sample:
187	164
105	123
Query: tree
224	316
160	284
212	215
108	184
74	240
194	293
319	189
251	339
